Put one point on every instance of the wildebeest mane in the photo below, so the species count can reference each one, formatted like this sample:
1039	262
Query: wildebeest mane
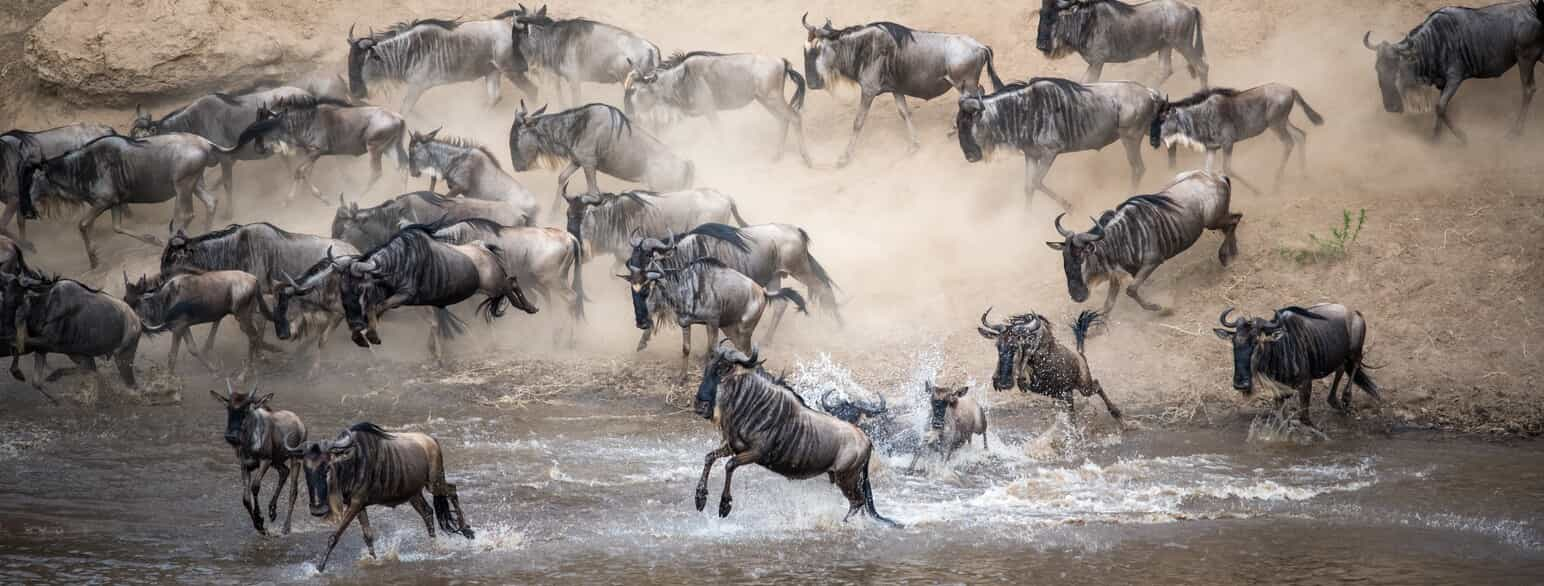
1031	110
467	144
1291	358
304	102
366	427
85	165
408	25
478	223
567	126
680	57
1202	96
902	34
720	232
1441	37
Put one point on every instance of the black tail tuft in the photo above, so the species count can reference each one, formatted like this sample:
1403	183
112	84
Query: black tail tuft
1362	379
734	210
1313	116
868	501
991	71
797	103
447	325
1086	320
790	295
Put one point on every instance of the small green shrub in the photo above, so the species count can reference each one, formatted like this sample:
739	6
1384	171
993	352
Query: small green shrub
1333	247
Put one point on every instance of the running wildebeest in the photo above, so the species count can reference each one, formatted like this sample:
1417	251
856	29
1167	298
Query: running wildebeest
953	420
112	171
577	50
432	52
1454	44
539	258
1143	232
1297	346
469	169
702	83
1111	31
595	138
177	303
1218	118
310	305
367	466
884	57
261	249
367	228
220	118
707	292
881	425
20	149
609	221
13	260
1046	117
63	316
765	253
764	422
1029	356
261	438
412	268
316	127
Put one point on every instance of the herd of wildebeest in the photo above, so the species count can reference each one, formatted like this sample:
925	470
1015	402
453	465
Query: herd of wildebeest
689	256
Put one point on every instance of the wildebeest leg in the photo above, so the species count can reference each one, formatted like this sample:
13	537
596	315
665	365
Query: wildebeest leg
117	220
193	349
1134	290
253	484
1036	168
911	131
723	451
1229	249
294	494
1525	72
1302	146
1449	89
1334	400
422	506
302	174
1111	296
410	98
557	197
1098	390
1227	169
738	460
82	364
210	204
789	118
686	349
282	468
214	329
1304	394
491	83
254	340
376	152
171	359
332	541
227	169
1165	65
1093	73
1287	142
1133	146
364	529
864	103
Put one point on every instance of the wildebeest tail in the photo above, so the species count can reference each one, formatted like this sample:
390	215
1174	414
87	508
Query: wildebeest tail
578	268
734	210
797	103
1199	42
449	522
991	71
815	266
1313	116
1363	380
1538	10
447	325
868	500
790	295
1085	321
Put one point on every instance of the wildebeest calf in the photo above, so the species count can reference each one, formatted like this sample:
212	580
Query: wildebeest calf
1217	118
954	419
1029	356
262	438
1297	346
179	302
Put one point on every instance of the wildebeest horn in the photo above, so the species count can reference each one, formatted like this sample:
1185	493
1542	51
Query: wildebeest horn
432	133
995	329
1224	319
563	192
344	442
341	203
1367	41
1060	230
740	359
805	20
825	404
950	80
230	392
125	280
351	32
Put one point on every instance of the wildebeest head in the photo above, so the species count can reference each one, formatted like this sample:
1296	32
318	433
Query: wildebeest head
20	295
320	461
269	133
640	92
39	182
1075	249
644	273
524	139
819	54
364	285
360	51
144	124
971	107
1017	341
178	253
521	30
941	399
419	159
348	221
853	412
725	362
1252	338
238	406
1051	14
139	294
579	207
1396	71
287	290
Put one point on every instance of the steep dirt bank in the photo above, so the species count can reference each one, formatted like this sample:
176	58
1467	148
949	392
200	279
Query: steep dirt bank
1446	268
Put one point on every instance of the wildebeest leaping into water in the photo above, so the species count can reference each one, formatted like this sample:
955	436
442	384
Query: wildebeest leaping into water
1029	356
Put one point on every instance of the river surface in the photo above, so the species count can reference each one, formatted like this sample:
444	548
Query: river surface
599	490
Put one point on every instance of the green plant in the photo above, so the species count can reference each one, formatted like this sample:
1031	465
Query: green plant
1333	247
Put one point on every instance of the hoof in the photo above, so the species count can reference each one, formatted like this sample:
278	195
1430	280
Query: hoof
374	339
702	500
467	533
359	340
723	508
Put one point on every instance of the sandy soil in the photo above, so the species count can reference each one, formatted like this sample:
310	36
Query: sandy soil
1445	270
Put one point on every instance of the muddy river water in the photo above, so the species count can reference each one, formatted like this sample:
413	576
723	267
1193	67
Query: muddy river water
598	490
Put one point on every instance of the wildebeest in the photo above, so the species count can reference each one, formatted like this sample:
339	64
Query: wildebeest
702	83
1029	356
953	419
707	292
112	171
1143	232
885	57
220	118
177	303
764	422
315	127
260	249
367	228
1111	31
19	149
431	52
609	221
261	438
1046	117
578	50
595	137
539	258
1217	118
412	268
310	305
63	316
13	260
468	169
765	253
1454	44
367	466
882	426
1297	346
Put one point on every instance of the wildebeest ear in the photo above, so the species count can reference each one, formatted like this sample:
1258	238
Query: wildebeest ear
960	392
1056	245
1223	333
540	111
218	397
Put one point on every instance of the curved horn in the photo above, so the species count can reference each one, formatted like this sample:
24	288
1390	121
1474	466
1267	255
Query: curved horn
1367	41
1223	319
330	259
125	281
341	203
825	404
751	361
984	324
563	192
1060	230
351	32
805	20
345	441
